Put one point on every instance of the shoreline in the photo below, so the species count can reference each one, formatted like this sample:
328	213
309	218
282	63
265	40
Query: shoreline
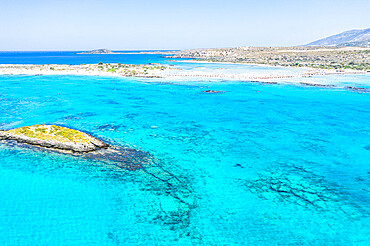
166	72
338	58
109	70
327	71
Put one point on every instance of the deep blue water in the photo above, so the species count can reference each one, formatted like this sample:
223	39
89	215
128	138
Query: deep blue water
256	165
71	57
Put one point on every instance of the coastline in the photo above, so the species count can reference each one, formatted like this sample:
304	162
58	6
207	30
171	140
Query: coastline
130	53
318	70
337	58
115	70
166	72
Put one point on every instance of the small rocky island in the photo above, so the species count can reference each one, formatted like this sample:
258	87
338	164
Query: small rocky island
98	51
76	143
55	137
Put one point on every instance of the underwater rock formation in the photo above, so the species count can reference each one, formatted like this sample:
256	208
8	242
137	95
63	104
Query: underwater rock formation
305	189
358	89
212	91
291	188
173	195
316	85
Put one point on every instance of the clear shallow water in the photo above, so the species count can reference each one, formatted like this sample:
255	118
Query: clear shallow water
343	80
262	164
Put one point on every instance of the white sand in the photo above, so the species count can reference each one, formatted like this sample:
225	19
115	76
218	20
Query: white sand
166	72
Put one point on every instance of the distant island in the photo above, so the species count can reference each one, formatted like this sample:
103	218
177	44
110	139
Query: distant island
98	52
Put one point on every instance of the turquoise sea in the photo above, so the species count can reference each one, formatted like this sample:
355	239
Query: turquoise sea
260	164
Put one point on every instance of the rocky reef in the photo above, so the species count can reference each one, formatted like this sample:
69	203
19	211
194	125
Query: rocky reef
172	200
55	137
303	188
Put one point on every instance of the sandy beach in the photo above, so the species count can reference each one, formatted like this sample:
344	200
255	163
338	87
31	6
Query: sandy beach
85	69
158	71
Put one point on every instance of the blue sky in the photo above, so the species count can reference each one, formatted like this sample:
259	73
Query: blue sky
164	24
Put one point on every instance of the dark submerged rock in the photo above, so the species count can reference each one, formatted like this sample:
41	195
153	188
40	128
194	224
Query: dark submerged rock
316	85
358	89
212	91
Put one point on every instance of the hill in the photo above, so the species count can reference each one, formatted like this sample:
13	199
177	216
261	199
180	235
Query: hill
348	38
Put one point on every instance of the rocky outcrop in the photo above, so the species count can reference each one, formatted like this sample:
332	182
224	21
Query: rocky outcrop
55	137
98	51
